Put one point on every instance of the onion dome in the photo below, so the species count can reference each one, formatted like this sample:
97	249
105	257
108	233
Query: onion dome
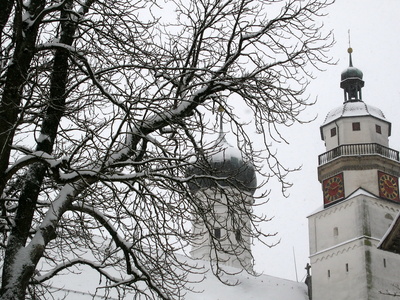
227	168
351	73
351	81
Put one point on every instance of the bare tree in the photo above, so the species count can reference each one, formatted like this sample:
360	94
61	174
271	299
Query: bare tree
103	110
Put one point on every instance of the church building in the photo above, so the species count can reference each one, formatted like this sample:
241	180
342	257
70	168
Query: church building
348	236
359	177
354	238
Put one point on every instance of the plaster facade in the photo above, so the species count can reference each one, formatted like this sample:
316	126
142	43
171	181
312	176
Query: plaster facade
346	263
345	134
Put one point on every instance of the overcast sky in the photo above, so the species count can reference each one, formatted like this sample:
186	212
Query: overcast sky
375	38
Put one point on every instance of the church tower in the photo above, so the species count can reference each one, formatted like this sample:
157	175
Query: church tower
359	177
222	228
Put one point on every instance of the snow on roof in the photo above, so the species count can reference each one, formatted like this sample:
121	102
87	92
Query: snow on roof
353	109
361	191
263	287
251	288
225	151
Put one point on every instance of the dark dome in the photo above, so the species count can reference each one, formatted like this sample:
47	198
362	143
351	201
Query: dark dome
226	163
351	72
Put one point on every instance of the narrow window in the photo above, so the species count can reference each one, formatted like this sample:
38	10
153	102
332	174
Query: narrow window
384	262
333	131
356	126
335	231
378	128
329	273
347	267
217	233
238	235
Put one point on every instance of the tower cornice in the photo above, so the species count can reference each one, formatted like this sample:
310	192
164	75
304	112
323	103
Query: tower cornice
357	163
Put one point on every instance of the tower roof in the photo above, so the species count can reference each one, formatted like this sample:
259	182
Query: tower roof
354	109
351	81
353	106
225	162
351	72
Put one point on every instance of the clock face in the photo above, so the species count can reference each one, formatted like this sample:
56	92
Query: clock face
333	188
388	186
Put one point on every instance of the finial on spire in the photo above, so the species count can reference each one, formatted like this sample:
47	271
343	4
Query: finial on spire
350	51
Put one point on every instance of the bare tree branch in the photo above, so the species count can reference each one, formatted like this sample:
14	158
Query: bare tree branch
108	130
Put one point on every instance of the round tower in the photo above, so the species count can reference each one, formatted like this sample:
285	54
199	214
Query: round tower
224	184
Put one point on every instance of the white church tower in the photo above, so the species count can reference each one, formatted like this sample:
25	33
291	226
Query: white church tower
222	230
359	176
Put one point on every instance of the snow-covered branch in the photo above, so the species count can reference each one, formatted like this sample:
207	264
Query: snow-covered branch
101	269
37	156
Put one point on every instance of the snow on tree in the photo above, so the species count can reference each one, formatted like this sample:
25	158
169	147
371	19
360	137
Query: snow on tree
104	106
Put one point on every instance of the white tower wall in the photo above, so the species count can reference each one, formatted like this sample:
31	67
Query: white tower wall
345	261
233	247
336	275
346	135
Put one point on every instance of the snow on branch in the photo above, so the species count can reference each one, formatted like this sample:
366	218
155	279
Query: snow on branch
77	261
43	13
37	156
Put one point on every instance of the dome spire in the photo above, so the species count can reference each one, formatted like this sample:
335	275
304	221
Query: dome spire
350	51
351	81
221	140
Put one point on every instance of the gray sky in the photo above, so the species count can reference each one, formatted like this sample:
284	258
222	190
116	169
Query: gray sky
375	39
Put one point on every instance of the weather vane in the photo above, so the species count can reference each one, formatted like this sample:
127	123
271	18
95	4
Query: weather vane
350	50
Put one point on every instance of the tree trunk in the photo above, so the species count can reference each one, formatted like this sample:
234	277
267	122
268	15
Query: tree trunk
35	175
16	75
